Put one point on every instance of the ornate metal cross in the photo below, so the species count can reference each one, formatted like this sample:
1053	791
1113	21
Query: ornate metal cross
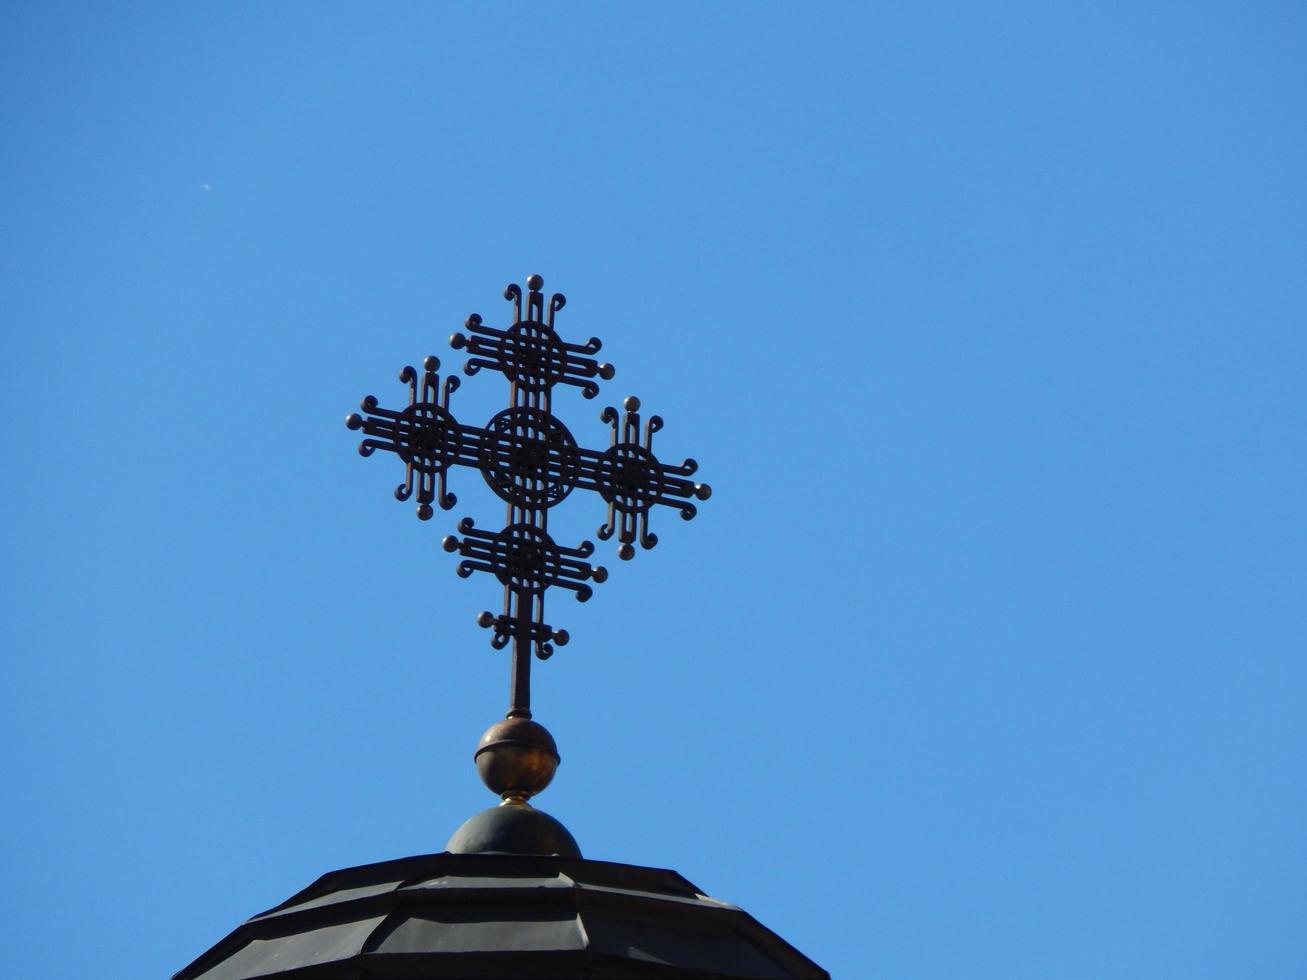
532	462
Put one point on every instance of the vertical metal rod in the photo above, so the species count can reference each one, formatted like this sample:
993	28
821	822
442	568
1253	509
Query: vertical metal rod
519	690
519	681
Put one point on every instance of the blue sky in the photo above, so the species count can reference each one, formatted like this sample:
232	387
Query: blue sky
984	321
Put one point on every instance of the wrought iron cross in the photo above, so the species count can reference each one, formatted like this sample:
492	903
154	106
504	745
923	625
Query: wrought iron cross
532	462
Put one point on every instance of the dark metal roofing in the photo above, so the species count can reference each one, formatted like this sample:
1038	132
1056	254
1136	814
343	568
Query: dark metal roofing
513	830
491	915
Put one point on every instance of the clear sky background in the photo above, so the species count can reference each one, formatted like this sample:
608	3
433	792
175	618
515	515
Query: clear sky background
985	322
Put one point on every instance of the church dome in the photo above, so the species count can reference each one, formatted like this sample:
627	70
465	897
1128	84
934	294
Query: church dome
497	915
513	830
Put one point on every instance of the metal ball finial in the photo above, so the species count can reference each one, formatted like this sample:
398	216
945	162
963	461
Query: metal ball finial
534	282
517	759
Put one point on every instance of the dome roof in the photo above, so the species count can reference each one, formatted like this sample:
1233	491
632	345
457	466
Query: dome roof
492	915
513	830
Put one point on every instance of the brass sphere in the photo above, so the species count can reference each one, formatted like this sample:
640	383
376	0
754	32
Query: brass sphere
516	758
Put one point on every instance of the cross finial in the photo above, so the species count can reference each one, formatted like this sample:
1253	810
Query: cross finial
531	461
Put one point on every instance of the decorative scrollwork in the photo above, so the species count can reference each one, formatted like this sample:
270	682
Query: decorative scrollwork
424	435
527	561
525	558
529	458
631	479
531	461
529	353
